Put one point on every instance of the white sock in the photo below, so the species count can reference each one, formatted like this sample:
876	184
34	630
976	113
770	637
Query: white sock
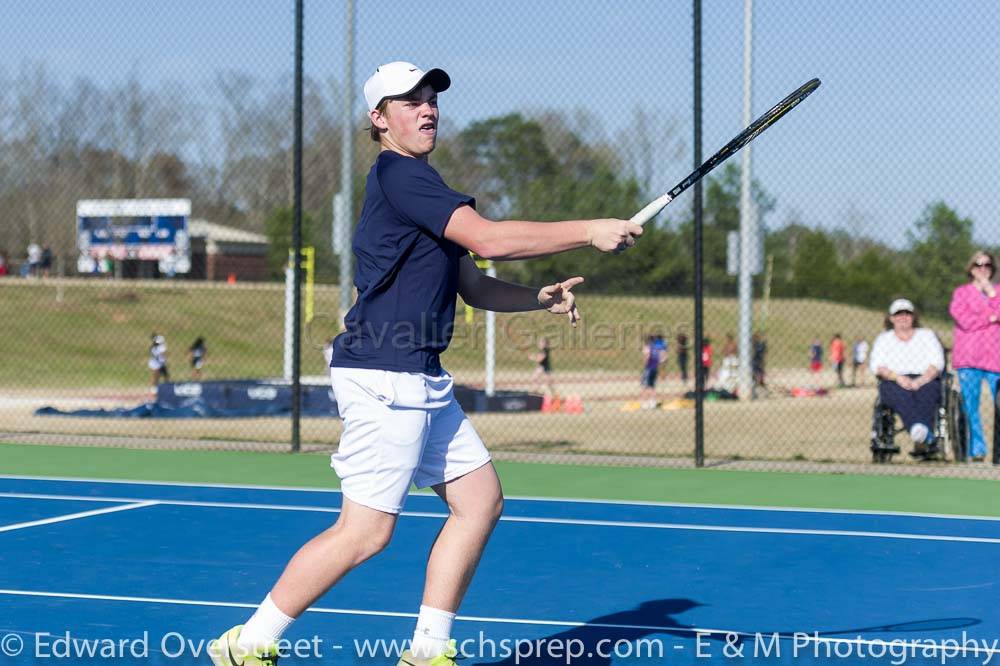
265	627
432	633
918	433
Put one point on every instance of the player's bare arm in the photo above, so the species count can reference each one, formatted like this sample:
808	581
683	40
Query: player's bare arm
488	293
516	239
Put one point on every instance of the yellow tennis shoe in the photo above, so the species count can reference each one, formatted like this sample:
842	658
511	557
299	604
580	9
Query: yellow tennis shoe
446	659
226	652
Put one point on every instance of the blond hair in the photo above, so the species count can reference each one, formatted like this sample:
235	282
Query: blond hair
976	255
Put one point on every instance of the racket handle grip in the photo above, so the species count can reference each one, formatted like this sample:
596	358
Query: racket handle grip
650	210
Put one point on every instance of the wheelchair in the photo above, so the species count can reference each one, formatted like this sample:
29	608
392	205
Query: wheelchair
950	429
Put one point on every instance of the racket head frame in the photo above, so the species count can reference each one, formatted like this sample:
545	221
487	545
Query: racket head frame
771	116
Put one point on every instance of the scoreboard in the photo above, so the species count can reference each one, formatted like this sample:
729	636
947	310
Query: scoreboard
141	229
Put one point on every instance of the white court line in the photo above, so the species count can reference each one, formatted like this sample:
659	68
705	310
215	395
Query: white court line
82	514
704	631
199	503
546	521
520	498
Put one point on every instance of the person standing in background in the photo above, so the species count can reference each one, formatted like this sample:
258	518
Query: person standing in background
30	268
729	369
662	346
543	366
45	263
837	358
975	307
158	360
652	357
759	360
705	367
196	355
682	357
859	353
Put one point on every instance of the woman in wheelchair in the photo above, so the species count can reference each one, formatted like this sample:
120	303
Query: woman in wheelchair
909	360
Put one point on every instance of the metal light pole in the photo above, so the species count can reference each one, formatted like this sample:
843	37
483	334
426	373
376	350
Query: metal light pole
748	218
343	201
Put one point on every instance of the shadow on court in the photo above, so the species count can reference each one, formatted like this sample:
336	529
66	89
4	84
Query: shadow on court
595	642
647	619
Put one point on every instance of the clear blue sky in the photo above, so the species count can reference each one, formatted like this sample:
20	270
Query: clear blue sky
906	114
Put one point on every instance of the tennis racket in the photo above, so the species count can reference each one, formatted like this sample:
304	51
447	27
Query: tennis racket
727	151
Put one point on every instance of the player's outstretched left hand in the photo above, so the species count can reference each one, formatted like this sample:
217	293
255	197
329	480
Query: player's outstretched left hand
558	299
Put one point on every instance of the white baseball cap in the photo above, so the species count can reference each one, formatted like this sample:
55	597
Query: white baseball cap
901	305
399	78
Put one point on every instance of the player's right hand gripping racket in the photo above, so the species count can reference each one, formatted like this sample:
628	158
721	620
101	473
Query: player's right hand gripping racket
730	149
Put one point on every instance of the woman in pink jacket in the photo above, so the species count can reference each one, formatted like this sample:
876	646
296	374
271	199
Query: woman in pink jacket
975	307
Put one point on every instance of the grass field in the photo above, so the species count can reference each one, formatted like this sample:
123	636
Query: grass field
96	334
83	344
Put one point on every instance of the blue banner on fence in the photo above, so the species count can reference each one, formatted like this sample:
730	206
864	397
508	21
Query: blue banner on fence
255	398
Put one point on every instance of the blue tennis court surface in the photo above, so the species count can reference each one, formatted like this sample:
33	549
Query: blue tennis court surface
159	568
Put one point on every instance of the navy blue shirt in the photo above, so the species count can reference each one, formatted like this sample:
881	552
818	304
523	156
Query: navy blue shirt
407	272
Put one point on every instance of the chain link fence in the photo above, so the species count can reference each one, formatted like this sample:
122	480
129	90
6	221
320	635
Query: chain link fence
877	187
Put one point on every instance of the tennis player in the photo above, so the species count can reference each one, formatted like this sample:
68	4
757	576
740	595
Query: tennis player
402	424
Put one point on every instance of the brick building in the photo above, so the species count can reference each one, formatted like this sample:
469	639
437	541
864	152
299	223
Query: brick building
217	252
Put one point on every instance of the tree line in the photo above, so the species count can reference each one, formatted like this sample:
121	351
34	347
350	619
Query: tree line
228	148
522	168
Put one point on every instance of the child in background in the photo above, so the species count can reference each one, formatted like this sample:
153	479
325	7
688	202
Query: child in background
815	356
158	360
196	355
706	361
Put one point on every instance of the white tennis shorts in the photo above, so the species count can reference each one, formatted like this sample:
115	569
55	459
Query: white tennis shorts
400	428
